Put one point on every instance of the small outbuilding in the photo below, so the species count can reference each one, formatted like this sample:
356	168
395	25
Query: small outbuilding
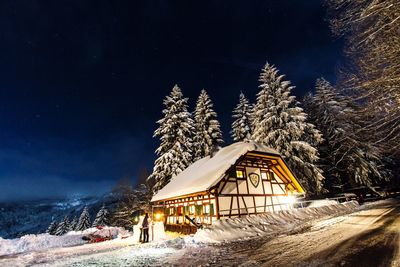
241	179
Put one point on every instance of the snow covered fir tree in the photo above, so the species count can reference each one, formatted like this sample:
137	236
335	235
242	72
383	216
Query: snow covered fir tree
346	160
370	30
63	227
281	124
52	228
101	217
84	220
242	125
208	135
73	223
175	131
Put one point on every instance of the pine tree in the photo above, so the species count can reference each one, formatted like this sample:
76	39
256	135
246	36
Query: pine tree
73	224
280	123
175	132
84	220
208	135
371	75
345	159
101	217
63	227
241	127
52	228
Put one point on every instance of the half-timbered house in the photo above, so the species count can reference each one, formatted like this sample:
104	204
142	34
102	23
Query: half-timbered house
241	179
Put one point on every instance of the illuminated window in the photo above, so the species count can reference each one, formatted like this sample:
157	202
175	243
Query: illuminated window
239	174
191	210
264	176
206	209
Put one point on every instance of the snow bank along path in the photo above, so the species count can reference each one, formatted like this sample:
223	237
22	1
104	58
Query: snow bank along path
28	243
272	223
45	241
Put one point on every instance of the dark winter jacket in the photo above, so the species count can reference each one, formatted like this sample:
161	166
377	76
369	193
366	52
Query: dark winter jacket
145	223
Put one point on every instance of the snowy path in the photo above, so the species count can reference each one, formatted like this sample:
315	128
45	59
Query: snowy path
370	237
366	238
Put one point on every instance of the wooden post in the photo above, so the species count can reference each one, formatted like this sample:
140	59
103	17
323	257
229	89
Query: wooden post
272	192
237	198
216	204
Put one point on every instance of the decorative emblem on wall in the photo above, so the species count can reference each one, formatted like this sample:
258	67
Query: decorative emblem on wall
254	178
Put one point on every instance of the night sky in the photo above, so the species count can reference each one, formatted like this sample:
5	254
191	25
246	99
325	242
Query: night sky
82	82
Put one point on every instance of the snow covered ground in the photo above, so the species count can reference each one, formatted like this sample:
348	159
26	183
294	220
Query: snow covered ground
39	242
369	236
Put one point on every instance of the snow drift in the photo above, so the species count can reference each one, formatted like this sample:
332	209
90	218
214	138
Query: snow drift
45	241
322	202
272	223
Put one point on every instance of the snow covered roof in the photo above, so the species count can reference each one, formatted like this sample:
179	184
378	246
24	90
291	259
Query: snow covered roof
208	171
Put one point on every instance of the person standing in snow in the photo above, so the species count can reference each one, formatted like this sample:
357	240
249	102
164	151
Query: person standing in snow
145	228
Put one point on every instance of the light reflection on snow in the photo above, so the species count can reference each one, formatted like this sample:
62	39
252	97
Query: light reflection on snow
130	256
152	251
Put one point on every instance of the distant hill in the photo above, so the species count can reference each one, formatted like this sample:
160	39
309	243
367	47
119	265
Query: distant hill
32	217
